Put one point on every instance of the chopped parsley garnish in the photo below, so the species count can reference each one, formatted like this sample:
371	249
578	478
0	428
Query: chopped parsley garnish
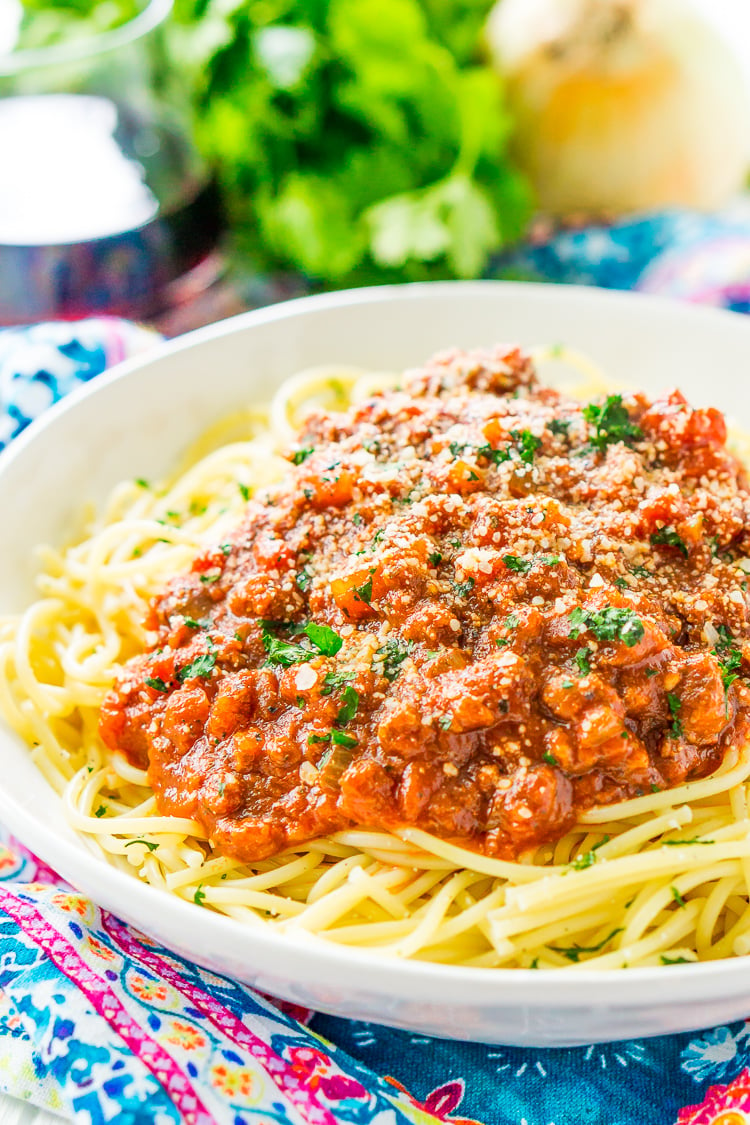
324	638
550	759
303	579
679	843
494	456
285	653
225	548
394	652
463	589
559	426
208	578
674	702
200	895
517	564
549	560
142	483
363	593
193	624
313	738
652	672
301	455
201	666
728	655
677	897
581	862
244	491
527	444
611	423
640	572
668	537
101	811
349	706
146	843
334	681
435	558
357	519
573	953
608	624
156	683
621	583
674	960
583	660
445	722
338	738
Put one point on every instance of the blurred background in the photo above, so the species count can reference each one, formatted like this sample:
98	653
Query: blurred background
176	162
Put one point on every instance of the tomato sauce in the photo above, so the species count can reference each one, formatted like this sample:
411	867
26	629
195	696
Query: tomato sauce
471	606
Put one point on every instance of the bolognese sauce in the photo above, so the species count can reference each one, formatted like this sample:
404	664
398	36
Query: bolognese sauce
471	606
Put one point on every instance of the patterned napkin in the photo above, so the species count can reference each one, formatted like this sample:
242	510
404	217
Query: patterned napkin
98	1023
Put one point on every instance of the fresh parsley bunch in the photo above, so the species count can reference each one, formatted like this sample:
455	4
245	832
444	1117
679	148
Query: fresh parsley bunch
356	140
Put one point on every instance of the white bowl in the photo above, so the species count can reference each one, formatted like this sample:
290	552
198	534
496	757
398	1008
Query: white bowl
133	422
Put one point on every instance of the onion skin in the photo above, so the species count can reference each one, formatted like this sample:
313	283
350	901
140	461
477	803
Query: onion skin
622	105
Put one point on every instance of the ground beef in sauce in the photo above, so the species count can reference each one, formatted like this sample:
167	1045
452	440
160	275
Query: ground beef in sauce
471	606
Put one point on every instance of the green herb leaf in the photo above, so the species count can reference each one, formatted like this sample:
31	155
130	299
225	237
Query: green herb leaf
300	455
527	444
674	703
581	862
394	653
677	897
340	739
608	624
200	896
157	684
201	666
494	456
303	579
363	593
334	681
668	537
611	423
728	655
517	564
146	843
679	843
583	660
573	953
244	491
559	426
324	638
349	706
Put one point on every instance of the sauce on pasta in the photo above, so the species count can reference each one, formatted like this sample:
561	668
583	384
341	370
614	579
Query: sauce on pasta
471	607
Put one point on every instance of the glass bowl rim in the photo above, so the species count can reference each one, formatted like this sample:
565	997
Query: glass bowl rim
150	17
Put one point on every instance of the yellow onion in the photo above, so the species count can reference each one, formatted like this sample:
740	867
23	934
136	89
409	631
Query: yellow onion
622	105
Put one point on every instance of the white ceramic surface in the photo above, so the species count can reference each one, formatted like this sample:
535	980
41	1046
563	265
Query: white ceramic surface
136	419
